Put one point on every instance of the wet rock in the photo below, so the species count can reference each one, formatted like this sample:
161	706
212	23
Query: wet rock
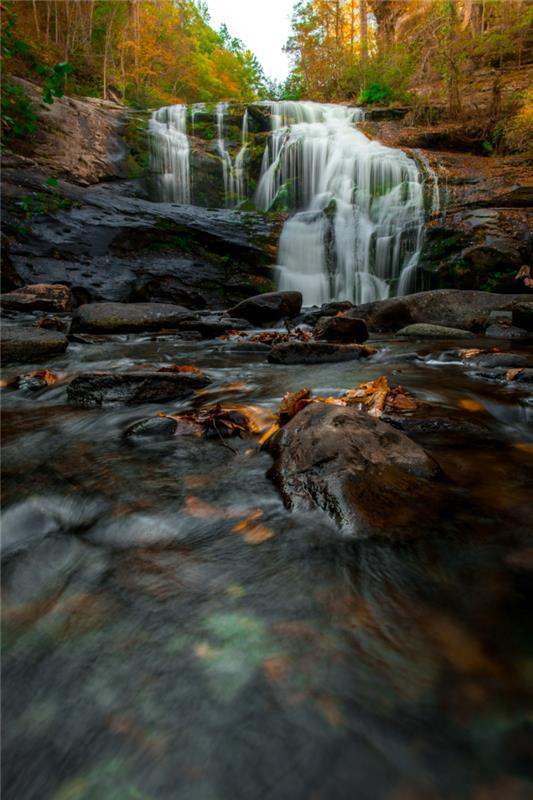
522	378
468	310
315	352
427	331
32	520
130	388
432	418
247	347
152	428
369	477
213	326
501	331
38	297
9	278
489	360
341	329
523	316
51	323
25	344
128	317
268	307
165	289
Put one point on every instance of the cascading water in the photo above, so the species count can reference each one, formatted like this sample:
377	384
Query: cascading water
169	153
357	206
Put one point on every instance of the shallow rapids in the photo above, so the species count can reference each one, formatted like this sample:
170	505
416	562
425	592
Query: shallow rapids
152	650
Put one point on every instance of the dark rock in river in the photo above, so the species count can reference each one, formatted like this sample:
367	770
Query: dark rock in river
212	326
341	329
130	388
369	477
268	307
38	297
522	378
25	344
511	332
489	360
523	315
433	418
153	428
128	317
315	352
468	310
427	331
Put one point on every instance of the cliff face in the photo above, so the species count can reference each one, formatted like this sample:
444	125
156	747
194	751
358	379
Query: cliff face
79	139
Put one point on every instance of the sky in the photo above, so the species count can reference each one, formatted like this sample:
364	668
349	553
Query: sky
263	26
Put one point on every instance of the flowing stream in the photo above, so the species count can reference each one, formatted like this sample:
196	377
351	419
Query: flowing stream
153	652
356	207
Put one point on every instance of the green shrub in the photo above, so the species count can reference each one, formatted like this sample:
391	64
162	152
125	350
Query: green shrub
376	93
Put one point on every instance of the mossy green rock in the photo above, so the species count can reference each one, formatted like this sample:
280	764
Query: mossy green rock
427	331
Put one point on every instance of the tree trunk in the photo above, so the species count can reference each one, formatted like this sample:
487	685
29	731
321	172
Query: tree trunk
36	19
363	32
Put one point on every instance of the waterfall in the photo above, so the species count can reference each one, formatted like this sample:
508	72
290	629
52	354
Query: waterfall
232	173
169	153
356	206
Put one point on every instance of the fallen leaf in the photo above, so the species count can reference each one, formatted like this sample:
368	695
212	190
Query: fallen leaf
470	405
200	509
187	368
292	403
245	523
511	374
473	351
275	669
270	432
258	534
525	447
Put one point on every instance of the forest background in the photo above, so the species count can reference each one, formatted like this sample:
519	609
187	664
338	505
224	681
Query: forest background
429	55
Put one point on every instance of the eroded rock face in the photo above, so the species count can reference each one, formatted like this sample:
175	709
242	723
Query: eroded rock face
38	297
467	310
78	138
128	317
131	388
341	329
268	307
314	353
28	344
369	477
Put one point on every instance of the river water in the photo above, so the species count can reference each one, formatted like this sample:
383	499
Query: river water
152	650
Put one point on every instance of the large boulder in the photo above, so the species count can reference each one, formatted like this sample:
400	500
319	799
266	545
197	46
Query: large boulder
129	317
368	476
468	310
268	307
131	388
315	352
38	297
25	345
341	329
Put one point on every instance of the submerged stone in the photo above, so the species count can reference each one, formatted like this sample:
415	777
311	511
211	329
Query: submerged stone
427	331
130	388
315	352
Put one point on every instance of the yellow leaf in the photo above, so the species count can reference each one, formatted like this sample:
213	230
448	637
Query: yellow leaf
511	374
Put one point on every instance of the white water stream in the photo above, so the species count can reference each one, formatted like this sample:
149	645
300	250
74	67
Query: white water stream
356	207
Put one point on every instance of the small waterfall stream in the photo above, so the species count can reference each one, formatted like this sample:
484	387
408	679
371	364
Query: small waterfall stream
169	153
356	208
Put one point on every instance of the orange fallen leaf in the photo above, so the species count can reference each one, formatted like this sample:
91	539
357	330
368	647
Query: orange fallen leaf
258	534
511	374
525	447
473	351
275	669
200	509
293	402
470	405
270	432
245	523
180	368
